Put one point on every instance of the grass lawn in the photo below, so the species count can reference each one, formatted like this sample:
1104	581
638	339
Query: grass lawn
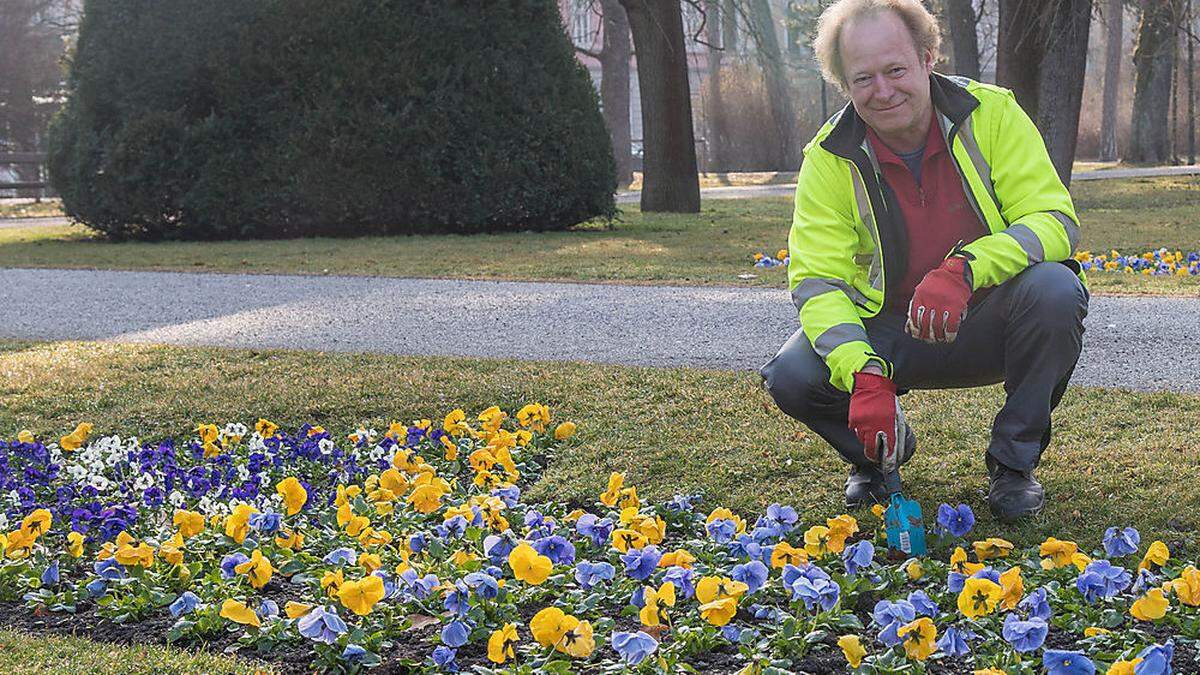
1119	457
713	247
53	655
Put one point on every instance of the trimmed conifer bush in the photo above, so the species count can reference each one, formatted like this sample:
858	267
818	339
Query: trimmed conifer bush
279	118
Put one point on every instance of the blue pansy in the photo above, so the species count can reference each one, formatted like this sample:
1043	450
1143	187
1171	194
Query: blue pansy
753	574
1121	542
321	625
231	561
923	604
1101	579
497	546
186	603
484	585
557	549
266	523
1156	659
268	609
955	581
598	530
353	654
50	574
1059	662
858	556
443	657
1024	636
1035	605
684	580
339	556
588	574
640	563
953	642
890	616
456	633
957	520
634	647
721	530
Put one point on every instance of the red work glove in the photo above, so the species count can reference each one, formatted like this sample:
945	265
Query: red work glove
939	303
875	413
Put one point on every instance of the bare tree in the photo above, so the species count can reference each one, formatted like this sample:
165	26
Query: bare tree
614	86
714	113
1154	65
1114	16
1042	57
961	20
671	182
31	45
770	59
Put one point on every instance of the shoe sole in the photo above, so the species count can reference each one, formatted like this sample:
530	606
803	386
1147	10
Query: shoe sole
1008	518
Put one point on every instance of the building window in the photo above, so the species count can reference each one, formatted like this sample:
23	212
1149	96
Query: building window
581	22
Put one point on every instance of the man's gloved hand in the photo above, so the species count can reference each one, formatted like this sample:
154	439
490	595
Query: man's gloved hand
939	303
875	412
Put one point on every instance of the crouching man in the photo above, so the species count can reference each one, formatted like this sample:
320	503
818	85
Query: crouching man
931	247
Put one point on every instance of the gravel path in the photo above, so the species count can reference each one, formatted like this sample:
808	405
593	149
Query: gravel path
788	189
1140	343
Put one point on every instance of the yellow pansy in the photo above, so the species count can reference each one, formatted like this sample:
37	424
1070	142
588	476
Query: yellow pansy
919	637
332	582
841	528
816	541
266	428
578	641
26	436
609	496
548	626
237	526
75	544
1187	586
528	565
979	597
1157	554
258	569
624	539
290	539
992	547
564	431
1093	631
238	612
131	552
295	610
1012	587
360	596
852	649
878	510
652	614
534	416
1058	553
677	558
190	523
426	498
1151	606
914	569
370	562
36	523
172	550
958	563
451	449
988	671
18	544
76	439
711	588
293	493
1123	667
501	643
785	554
719	612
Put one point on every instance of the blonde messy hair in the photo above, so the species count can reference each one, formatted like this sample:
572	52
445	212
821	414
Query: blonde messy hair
922	26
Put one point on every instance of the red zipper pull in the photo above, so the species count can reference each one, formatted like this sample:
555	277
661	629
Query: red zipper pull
921	192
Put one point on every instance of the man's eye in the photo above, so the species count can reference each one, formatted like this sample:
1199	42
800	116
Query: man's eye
897	71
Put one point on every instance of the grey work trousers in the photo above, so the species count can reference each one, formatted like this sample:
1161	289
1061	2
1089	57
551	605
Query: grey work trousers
1027	333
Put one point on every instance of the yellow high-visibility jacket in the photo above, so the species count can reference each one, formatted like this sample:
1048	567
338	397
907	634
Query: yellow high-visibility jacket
848	238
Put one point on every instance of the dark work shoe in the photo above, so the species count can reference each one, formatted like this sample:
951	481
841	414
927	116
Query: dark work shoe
865	484
1012	494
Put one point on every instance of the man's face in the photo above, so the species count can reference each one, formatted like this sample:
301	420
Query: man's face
887	78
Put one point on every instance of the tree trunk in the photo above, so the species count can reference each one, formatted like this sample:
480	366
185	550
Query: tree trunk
1153	63
1114	14
783	112
964	43
729	28
714	115
671	183
1060	90
1020	46
614	87
1191	85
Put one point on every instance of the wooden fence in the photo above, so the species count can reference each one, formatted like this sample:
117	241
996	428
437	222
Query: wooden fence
37	188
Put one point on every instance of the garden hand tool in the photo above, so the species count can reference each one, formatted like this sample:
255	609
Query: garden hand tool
902	517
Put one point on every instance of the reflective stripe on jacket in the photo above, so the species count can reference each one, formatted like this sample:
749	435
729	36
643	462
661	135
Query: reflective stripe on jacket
847	240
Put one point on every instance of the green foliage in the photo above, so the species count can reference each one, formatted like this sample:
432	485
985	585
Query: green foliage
274	118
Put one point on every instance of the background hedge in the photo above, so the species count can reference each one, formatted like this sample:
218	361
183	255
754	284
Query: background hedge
273	118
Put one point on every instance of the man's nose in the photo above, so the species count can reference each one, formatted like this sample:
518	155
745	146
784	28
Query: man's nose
883	88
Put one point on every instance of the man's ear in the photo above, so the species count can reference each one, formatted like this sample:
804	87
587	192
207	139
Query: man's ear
928	61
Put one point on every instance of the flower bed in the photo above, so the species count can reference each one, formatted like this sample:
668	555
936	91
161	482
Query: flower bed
413	548
1151	263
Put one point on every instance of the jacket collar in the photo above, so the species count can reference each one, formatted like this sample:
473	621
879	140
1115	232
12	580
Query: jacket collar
948	94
